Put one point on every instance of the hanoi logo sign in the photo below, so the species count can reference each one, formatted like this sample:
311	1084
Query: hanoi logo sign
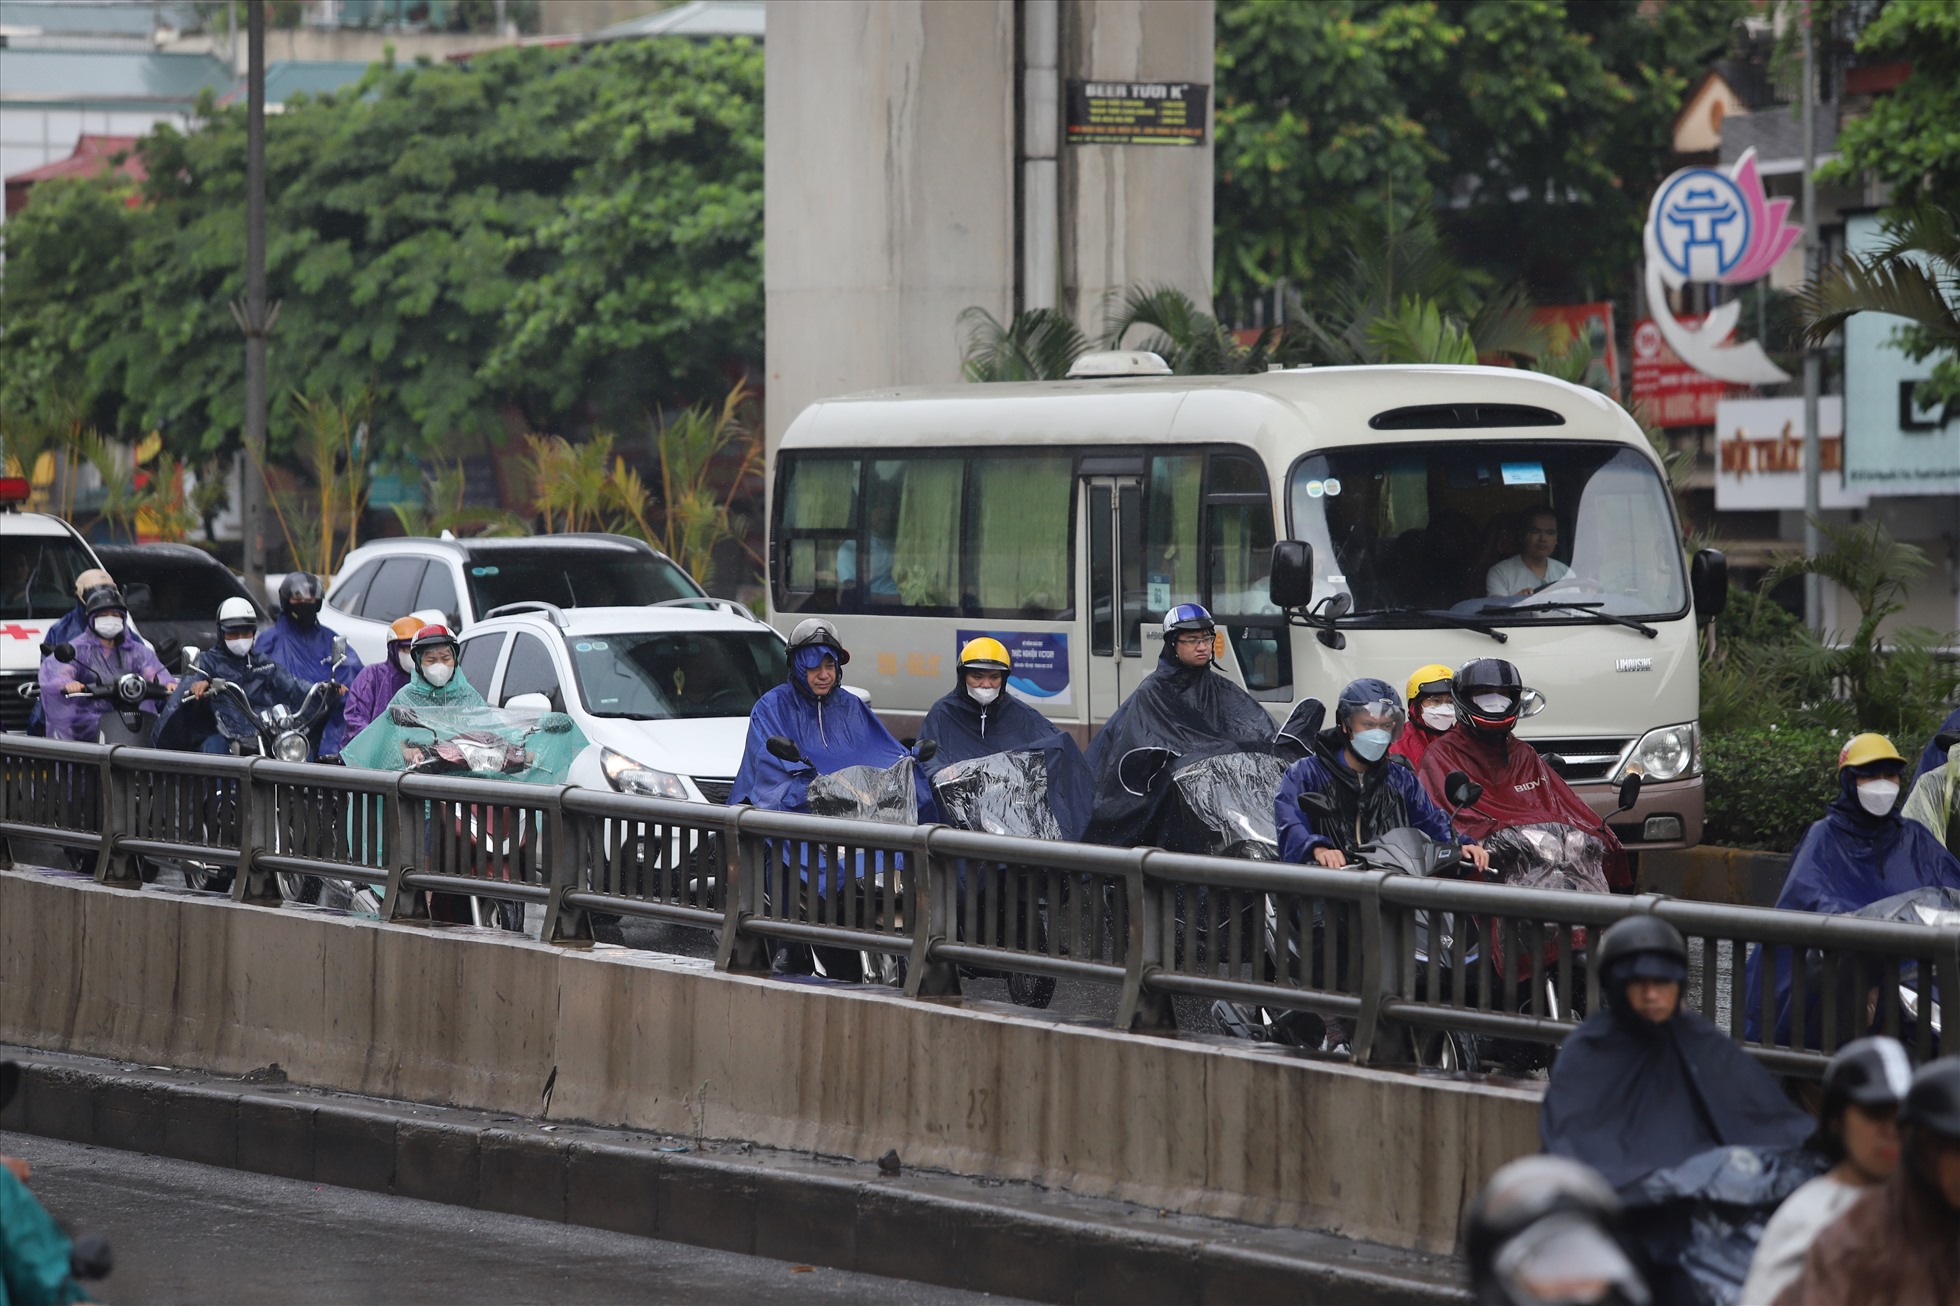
1708	225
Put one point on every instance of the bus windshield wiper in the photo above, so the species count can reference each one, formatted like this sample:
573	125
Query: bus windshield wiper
1443	615
1593	610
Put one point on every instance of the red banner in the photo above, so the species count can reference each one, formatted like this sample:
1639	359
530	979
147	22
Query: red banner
1666	391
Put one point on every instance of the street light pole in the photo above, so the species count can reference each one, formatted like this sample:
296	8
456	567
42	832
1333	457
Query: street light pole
254	323
1813	461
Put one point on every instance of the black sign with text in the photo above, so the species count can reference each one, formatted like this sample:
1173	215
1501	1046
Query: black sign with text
1137	113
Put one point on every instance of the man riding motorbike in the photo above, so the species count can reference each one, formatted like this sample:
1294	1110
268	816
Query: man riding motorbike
1861	851
1183	707
298	642
107	651
979	718
376	685
1935	798
198	722
1519	789
68	628
1432	713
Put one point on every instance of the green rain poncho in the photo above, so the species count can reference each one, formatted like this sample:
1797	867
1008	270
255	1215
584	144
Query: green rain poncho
1935	801
540	745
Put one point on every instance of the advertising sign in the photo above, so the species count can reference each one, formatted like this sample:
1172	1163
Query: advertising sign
1894	446
1666	390
1136	113
1759	455
1039	659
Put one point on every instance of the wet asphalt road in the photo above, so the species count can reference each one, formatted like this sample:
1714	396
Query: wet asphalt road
193	1233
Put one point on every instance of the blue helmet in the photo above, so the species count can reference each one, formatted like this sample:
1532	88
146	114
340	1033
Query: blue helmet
1187	616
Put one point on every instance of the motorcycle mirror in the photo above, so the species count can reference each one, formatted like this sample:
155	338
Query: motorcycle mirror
1557	764
1461	790
1318	804
188	657
64	652
403	716
1531	703
783	750
1140	768
339	648
1629	792
926	749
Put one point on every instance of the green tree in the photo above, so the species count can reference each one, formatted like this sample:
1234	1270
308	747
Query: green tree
1914	275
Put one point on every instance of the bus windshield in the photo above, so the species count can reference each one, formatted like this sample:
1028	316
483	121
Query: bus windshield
1502	533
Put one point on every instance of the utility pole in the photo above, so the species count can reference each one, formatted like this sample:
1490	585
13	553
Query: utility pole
253	321
1813	460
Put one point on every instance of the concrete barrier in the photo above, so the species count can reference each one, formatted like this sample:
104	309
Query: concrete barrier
638	1040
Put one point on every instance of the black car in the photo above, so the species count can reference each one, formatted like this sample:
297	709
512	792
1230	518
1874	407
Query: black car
173	592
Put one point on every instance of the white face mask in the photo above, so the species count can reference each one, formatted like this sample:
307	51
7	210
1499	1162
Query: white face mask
1878	796
239	647
108	627
438	673
405	662
1494	704
1439	718
984	697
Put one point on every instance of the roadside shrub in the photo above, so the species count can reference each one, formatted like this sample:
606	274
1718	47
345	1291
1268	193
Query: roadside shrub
1765	786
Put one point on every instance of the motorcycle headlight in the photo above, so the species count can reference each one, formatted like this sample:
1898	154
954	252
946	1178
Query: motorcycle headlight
1669	753
629	777
290	747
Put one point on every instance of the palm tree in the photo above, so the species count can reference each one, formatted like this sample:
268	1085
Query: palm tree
1038	345
1191	340
1915	275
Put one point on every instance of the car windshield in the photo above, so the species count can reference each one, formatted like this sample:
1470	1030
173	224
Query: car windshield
574	578
37	574
1497	532
179	589
675	675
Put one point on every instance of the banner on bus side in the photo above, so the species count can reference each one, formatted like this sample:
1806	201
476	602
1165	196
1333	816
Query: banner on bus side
1040	662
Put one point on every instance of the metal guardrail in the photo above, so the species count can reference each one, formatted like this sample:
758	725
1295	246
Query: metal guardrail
1412	962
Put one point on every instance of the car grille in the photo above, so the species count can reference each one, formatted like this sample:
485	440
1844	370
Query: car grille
1587	759
14	710
715	791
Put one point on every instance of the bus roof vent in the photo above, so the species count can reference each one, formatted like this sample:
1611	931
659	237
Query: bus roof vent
1457	417
1118	362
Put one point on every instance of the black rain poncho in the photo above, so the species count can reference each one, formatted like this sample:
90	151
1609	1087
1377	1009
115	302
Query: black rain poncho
966	732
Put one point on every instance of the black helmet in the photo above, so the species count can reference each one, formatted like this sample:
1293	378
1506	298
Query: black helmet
1549	1207
1482	677
1871	1072
818	633
299	596
1933	1101
1643	947
103	598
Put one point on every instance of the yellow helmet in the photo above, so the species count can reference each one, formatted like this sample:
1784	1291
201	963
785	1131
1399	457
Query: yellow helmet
1861	750
1432	679
985	654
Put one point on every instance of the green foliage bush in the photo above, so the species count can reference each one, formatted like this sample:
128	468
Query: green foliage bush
1765	786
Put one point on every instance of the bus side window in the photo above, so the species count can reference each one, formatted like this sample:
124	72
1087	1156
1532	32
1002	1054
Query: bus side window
1019	560
818	516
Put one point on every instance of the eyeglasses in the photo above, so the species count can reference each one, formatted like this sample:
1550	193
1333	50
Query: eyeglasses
1193	641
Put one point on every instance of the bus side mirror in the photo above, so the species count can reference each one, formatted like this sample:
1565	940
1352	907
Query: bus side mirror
1291	579
1708	580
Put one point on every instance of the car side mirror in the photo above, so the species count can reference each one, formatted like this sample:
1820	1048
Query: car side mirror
1629	793
1557	765
926	749
1708	581
783	750
1461	790
1290	582
532	702
1315	803
1530	703
138	597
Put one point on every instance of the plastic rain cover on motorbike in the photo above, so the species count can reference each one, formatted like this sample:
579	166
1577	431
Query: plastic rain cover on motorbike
1699	1221
1550	855
1000	793
1226	803
868	793
470	739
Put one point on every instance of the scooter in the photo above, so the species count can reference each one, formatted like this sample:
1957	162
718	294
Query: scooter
125	722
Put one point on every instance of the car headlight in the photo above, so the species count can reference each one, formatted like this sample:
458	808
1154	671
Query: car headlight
290	747
1668	753
629	777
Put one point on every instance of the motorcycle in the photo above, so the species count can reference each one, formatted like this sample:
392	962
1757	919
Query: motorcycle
125	721
1936	907
858	793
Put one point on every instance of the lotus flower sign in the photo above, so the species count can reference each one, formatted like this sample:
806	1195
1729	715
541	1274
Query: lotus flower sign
1709	225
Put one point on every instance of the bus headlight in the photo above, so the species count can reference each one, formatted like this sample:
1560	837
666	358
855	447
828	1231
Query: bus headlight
629	777
1669	753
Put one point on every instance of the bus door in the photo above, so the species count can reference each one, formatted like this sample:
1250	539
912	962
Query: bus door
1112	510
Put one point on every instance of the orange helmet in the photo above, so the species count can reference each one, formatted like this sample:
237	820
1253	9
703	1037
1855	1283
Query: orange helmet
404	629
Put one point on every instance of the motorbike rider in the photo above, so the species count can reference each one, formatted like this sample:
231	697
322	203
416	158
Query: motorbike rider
67	629
1432	713
1519	788
978	717
298	642
1861	851
108	650
1644	1084
377	685
436	682
1545	1230
1183	706
1900	1241
195	721
1935	798
1858	1129
1349	764
1933	755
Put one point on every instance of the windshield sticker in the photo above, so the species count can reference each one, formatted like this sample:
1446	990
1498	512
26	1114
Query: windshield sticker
1336	578
1333	487
598	646
483	571
1157	593
1316	488
1039	659
1524	473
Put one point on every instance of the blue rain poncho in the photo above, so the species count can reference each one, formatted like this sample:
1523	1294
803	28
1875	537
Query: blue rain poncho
965	730
187	722
1848	860
833	732
307	652
1932	757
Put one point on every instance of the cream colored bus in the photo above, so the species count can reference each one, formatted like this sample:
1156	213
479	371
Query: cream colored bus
1065	517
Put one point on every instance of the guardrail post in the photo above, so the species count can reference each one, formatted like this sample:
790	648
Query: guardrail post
1947	972
1138	1008
115	819
569	926
744	862
930	879
1385	943
257	816
404	845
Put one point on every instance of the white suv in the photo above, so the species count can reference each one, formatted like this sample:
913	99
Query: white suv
468	579
664	693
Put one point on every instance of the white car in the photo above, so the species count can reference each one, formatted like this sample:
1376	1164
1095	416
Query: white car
40	556
466	580
663	693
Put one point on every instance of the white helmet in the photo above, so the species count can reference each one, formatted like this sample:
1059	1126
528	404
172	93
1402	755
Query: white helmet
237	612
